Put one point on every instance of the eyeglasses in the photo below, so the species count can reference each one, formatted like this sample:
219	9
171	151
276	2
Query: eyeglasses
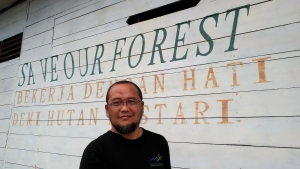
128	103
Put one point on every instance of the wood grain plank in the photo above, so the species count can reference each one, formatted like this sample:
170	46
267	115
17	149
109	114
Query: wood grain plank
206	157
4	126
13	16
38	5
3	137
39	27
12	29
35	54
7	98
277	131
104	28
264	157
41	160
5	111
2	152
9	165
100	17
12	11
9	71
278	100
84	9
6	84
37	41
53	9
9	62
47	144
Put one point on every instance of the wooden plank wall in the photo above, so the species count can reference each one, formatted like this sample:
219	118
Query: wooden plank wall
8	81
234	105
12	22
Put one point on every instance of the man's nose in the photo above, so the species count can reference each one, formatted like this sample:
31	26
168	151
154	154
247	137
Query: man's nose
124	107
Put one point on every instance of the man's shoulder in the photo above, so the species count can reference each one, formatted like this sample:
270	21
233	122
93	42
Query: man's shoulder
153	135
98	141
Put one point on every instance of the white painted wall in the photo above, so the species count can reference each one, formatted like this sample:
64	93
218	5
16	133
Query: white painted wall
245	116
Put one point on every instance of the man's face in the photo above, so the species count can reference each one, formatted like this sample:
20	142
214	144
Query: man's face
124	116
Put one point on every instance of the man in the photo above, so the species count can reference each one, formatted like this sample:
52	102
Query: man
126	145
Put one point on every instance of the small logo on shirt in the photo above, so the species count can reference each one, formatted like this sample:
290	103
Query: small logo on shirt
156	161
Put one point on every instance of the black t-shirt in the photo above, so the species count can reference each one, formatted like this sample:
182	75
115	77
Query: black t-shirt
113	151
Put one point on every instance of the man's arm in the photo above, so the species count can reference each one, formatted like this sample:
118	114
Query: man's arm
93	158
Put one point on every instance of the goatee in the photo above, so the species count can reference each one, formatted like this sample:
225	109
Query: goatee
125	129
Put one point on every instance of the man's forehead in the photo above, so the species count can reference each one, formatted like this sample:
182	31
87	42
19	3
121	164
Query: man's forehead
119	89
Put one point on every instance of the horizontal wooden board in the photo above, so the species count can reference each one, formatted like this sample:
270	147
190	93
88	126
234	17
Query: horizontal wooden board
3	137
9	71
40	4
14	10
2	152
7	98
212	156
99	17
82	5
5	111
9	62
268	131
8	84
239	103
13	16
47	144
37	41
177	82
13	29
39	27
41	160
252	157
35	54
14	165
4	125
104	28
85	9
53	8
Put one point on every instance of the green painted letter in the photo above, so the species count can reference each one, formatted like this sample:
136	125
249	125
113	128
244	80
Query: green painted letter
86	60
142	51
178	40
44	70
234	26
98	59
30	74
65	66
23	74
117	53
53	68
158	46
206	36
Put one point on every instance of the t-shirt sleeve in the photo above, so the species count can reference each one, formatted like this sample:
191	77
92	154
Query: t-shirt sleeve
93	157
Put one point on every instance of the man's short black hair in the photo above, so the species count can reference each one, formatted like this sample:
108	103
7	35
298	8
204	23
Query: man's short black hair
125	82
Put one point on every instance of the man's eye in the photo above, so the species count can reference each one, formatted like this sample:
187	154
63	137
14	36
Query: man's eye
117	103
131	102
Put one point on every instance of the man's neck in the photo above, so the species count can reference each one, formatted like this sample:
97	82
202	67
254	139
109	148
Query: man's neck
137	133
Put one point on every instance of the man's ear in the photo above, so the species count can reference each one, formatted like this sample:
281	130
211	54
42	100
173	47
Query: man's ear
107	112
